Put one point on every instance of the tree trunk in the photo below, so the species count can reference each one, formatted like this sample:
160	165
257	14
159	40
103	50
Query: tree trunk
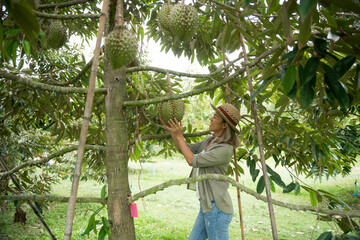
121	222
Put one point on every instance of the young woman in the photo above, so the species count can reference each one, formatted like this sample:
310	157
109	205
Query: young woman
211	156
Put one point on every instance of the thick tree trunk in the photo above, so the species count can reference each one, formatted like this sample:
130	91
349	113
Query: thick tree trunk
122	224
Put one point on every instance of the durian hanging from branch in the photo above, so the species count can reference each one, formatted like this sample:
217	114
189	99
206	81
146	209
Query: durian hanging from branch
179	20
56	35
171	109
121	46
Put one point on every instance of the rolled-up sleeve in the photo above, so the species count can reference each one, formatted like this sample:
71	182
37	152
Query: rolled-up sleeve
220	154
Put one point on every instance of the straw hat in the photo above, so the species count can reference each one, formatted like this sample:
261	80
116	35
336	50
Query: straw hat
229	113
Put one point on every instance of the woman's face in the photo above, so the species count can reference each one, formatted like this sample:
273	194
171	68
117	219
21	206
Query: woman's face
217	124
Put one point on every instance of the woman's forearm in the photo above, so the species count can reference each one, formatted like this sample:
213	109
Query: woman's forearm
184	148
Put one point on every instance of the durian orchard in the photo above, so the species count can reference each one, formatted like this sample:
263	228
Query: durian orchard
297	88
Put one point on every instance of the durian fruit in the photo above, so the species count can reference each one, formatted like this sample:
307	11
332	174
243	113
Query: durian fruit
121	47
56	35
172	109
164	18
184	21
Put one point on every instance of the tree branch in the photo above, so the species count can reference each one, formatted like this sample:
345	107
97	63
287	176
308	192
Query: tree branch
44	86
65	16
63	4
201	90
219	177
167	136
48	158
162	186
50	198
180	74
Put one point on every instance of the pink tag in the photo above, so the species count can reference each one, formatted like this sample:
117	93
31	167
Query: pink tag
133	210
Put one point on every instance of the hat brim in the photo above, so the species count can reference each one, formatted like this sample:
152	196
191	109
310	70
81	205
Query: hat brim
223	117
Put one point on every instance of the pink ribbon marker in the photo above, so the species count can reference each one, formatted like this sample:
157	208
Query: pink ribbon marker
133	210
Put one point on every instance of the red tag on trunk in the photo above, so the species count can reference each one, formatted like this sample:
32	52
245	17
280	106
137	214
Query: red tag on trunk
133	210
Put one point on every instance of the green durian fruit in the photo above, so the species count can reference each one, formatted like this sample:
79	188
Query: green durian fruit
164	18
56	35
121	47
184	21
172	109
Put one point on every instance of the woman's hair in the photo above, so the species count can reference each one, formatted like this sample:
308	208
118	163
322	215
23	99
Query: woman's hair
228	136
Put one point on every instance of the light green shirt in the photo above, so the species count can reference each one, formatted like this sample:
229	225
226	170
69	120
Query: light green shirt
214	160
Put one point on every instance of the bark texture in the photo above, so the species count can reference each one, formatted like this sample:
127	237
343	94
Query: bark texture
121	222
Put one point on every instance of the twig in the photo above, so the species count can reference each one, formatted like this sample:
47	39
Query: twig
66	16
64	4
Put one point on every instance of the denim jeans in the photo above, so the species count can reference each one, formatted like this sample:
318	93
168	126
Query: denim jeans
212	225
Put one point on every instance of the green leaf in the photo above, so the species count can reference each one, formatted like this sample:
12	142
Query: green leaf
307	93
310	70
357	77
325	236
332	79
289	187
102	233
313	198
342	66
305	30
297	189
103	191
263	85
261	185
26	46
272	185
306	6
289	79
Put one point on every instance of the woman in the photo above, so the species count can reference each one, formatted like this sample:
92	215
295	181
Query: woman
211	156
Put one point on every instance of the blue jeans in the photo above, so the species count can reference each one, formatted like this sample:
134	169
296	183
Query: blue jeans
213	225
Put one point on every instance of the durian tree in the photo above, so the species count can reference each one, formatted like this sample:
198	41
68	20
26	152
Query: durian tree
303	61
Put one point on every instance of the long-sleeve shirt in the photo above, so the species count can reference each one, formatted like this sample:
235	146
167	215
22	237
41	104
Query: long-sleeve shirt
213	160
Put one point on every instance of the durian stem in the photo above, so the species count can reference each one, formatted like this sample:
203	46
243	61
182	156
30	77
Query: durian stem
119	13
168	2
169	83
182	1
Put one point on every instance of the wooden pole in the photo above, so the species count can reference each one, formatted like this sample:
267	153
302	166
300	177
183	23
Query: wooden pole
85	124
260	142
36	211
238	197
227	99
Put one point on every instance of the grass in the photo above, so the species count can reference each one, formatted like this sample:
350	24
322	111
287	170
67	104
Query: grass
170	214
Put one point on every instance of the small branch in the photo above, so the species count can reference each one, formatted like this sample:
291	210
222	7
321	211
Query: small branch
168	136
66	16
44	86
48	158
64	4
198	91
219	177
77	77
50	198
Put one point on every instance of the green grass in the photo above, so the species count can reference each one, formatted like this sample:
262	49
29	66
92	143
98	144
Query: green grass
170	214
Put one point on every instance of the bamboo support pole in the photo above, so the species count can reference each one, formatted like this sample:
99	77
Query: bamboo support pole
260	142
36	211
85	124
227	99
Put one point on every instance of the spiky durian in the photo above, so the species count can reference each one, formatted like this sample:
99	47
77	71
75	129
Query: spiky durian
172	109
121	47
184	21
56	35
164	18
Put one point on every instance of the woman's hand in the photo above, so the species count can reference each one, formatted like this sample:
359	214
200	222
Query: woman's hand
174	127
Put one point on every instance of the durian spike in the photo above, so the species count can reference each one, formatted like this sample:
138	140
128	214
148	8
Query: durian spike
119	13
169	83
